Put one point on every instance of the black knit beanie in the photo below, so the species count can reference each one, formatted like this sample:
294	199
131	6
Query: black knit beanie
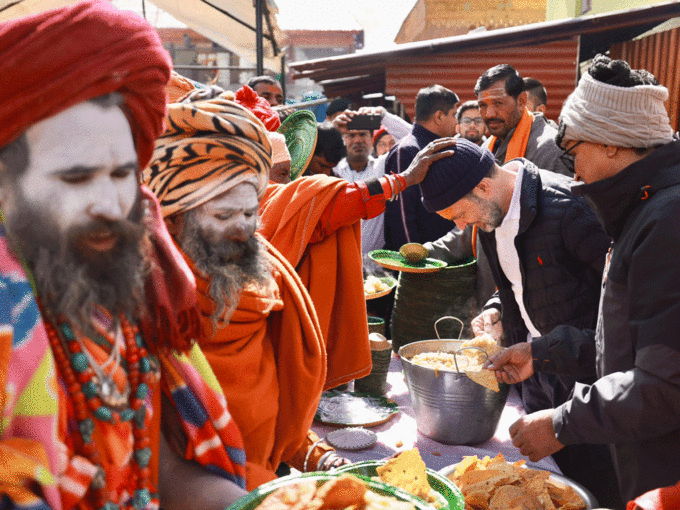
451	178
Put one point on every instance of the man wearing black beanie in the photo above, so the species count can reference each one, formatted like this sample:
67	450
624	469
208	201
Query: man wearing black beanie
546	250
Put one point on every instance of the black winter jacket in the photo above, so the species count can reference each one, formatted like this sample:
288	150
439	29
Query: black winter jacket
635	404
562	249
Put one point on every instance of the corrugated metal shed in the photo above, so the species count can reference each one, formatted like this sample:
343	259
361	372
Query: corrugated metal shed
554	64
658	53
349	74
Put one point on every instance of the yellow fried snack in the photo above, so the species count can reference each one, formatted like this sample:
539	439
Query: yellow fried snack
344	492
407	471
494	484
467	360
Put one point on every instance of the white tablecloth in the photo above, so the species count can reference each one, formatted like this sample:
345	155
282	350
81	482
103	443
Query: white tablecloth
403	428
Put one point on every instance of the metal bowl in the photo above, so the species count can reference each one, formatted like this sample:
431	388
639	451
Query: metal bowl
449	406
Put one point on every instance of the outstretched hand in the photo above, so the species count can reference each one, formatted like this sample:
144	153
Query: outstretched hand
434	151
534	435
512	365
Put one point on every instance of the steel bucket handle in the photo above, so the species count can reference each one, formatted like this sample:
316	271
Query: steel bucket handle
455	359
462	325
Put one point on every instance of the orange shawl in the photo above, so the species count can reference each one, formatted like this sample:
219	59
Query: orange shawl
330	269
517	146
271	363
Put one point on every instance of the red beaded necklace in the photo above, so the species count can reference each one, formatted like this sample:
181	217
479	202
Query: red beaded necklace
82	387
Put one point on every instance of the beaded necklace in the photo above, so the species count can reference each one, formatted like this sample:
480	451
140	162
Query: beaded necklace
84	390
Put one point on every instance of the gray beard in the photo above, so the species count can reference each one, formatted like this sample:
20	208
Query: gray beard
71	281
230	266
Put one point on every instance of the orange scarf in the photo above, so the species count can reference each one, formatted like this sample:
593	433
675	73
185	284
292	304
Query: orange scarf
330	269
517	146
271	363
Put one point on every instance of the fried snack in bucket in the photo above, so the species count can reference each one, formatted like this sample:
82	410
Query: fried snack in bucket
494	484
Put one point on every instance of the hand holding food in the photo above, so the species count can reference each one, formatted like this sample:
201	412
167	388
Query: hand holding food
489	321
512	365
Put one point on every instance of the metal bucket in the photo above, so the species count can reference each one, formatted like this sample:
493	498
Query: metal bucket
449	406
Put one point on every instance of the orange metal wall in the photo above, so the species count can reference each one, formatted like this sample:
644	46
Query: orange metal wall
658	53
554	64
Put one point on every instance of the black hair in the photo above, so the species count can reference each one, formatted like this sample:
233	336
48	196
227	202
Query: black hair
329	143
613	72
255	80
536	89
338	105
435	98
514	85
467	105
619	73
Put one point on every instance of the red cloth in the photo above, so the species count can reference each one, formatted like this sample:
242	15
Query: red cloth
248	98
59	58
667	498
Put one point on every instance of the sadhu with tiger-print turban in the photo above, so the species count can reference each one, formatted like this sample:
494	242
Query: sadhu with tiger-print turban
209	147
262	336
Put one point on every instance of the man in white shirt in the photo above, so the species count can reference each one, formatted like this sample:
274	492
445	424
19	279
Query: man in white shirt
360	165
546	251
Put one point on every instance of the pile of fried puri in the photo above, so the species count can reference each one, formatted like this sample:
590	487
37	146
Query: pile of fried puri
494	484
346	492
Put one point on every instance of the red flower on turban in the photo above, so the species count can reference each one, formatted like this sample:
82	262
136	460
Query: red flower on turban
248	98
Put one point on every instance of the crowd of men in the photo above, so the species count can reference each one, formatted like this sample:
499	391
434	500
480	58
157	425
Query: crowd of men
174	298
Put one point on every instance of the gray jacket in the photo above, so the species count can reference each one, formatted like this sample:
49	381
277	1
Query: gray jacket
635	404
541	149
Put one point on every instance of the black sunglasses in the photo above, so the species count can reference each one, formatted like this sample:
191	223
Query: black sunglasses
567	158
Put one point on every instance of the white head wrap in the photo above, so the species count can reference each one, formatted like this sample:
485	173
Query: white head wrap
621	116
279	149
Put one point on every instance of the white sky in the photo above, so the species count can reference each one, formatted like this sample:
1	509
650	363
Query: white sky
380	19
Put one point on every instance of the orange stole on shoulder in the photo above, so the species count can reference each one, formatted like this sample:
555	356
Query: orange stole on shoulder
331	269
517	146
270	360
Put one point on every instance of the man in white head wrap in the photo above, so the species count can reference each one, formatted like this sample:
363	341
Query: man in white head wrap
616	128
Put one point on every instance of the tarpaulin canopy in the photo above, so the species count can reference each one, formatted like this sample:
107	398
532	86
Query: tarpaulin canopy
230	23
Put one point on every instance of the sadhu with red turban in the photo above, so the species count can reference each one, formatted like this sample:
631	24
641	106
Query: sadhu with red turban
66	438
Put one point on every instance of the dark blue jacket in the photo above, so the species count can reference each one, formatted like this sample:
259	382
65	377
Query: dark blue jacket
407	212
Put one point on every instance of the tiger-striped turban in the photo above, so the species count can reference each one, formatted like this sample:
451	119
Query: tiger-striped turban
208	148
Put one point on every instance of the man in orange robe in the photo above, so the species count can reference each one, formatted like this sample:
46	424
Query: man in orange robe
272	352
98	310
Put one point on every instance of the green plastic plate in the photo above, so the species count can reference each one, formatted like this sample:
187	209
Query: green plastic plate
395	261
350	409
253	499
448	494
387	280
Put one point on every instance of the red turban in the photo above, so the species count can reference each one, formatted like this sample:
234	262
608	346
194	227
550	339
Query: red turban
59	58
248	98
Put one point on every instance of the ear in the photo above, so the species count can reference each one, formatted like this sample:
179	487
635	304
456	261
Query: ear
611	150
484	189
438	116
522	100
541	109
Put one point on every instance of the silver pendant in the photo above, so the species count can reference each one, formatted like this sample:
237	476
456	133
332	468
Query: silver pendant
110	395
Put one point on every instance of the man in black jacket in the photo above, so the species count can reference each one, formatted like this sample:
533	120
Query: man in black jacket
546	251
406	220
616	126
